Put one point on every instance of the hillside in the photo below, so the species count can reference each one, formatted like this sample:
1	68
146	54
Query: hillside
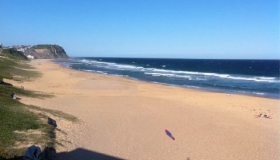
22	125
8	59
14	54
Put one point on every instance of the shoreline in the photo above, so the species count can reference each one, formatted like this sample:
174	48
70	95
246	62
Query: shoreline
194	88
225	90
127	119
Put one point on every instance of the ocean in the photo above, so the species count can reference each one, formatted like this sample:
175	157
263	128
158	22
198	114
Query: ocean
250	77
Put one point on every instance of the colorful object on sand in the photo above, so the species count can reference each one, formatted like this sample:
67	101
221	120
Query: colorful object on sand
169	134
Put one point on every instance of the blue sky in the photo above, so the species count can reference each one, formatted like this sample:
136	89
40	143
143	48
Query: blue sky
234	29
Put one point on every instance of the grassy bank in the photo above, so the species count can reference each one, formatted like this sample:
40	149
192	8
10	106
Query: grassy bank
13	66
21	125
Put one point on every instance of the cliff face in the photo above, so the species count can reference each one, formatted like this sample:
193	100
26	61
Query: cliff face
46	52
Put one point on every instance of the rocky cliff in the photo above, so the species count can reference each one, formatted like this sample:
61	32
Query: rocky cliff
46	52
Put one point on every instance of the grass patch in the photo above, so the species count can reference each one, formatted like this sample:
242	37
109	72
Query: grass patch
7	90
15	117
14	54
8	153
14	64
55	113
21	124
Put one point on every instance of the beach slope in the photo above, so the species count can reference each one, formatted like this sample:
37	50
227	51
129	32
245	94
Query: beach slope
128	119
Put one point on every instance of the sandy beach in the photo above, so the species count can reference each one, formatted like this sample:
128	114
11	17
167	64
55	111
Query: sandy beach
127	119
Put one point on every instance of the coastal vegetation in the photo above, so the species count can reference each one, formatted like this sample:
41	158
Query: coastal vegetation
12	53
44	46
13	66
22	125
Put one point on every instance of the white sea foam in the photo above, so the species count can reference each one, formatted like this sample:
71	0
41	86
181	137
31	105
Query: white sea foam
205	76
256	79
179	74
88	70
96	62
160	74
85	61
169	75
188	86
122	66
258	93
191	73
111	65
183	76
200	79
268	78
101	72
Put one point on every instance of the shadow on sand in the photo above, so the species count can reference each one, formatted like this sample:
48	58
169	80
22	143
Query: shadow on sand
5	84
81	153
77	154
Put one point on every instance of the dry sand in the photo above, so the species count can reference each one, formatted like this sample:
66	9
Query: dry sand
127	119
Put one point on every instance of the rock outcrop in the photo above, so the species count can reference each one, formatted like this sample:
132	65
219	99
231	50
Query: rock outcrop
46	52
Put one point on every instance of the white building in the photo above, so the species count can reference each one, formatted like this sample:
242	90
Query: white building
21	49
30	57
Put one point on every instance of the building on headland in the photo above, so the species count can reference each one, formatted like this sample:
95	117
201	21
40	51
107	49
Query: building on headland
30	57
21	48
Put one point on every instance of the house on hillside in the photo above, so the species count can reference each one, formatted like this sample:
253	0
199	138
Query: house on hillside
21	48
30	57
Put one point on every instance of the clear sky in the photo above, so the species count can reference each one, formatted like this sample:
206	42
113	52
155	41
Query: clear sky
239	29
